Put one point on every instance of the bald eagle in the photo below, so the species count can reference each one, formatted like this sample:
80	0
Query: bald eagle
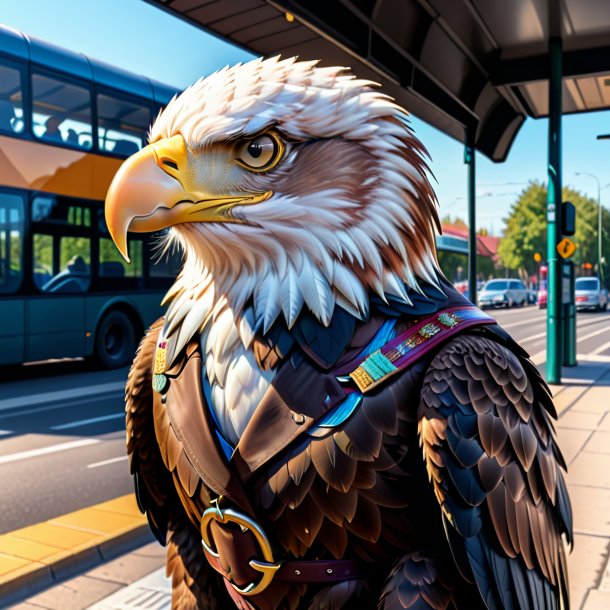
278	478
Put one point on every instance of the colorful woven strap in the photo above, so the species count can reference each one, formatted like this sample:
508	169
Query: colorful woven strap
407	347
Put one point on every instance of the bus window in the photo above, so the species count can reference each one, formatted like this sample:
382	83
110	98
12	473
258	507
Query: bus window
61	112
115	272
11	242
49	209
122	125
62	264
42	259
11	100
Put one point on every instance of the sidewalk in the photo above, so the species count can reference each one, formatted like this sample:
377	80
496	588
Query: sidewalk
583	428
583	406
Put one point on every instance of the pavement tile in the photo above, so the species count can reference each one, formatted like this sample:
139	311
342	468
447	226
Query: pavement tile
98	521
56	535
591	507
75	594
590	469
154	549
571	442
597	600
595	400
576	598
604	425
126	569
586	562
579	420
26	549
598	443
566	398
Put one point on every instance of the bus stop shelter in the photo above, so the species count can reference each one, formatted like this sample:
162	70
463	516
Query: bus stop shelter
474	69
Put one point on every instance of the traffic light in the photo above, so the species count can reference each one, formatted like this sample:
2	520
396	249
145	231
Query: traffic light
568	218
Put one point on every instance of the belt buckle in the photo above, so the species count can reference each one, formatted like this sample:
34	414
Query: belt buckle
267	568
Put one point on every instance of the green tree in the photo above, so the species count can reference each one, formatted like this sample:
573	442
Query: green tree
525	232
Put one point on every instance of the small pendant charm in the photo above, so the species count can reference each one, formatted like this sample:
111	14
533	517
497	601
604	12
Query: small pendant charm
160	383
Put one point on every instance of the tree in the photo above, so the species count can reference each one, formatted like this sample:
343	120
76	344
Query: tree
525	232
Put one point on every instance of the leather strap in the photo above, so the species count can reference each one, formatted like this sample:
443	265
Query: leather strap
408	347
316	571
324	571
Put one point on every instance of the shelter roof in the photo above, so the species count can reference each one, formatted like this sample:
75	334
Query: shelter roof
456	64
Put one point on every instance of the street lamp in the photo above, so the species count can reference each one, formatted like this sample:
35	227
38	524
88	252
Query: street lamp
599	226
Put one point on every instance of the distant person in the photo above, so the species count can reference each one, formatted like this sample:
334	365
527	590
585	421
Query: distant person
72	137
77	265
52	129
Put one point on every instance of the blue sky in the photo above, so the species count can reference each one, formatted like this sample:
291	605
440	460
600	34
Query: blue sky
143	39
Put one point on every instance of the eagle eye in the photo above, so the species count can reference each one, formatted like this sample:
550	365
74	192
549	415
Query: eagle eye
260	154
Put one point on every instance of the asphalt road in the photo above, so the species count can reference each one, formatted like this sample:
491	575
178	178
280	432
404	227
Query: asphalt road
528	326
62	442
62	431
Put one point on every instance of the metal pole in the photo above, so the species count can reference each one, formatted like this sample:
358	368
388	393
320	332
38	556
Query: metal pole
469	159
553	208
600	269
600	272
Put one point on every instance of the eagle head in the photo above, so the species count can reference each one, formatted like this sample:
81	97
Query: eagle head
287	186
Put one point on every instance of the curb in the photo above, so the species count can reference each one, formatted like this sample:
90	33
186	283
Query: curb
39	556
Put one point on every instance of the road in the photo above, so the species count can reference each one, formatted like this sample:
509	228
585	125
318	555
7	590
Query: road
62	442
528	326
62	439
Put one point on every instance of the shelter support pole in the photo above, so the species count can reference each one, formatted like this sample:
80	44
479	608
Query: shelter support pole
469	159
553	216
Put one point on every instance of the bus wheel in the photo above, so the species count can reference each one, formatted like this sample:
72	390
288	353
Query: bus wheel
115	342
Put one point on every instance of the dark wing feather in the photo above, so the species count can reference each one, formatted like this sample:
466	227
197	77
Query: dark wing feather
154	454
492	458
345	485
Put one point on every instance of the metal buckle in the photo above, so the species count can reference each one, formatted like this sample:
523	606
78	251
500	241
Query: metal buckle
267	568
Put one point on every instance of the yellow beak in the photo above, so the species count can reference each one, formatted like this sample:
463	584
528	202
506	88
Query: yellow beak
149	193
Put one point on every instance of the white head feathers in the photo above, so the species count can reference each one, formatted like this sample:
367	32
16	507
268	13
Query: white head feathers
352	211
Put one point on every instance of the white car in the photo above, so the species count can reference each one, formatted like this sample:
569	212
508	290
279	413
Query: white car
503	293
590	294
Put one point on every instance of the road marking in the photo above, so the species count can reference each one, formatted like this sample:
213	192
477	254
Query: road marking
106	462
600	349
593	358
85	422
578	326
524	323
36	399
593	334
24	455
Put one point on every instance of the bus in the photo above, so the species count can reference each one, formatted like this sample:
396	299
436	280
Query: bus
66	124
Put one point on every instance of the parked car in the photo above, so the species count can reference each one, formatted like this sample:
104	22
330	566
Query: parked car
532	296
590	294
503	293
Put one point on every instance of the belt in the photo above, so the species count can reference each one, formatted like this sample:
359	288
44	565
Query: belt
313	571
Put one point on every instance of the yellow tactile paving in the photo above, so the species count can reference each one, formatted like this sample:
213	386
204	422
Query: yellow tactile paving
97	521
8	563
25	549
59	536
126	505
40	546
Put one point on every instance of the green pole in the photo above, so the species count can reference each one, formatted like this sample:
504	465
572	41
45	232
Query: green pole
469	158
553	216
